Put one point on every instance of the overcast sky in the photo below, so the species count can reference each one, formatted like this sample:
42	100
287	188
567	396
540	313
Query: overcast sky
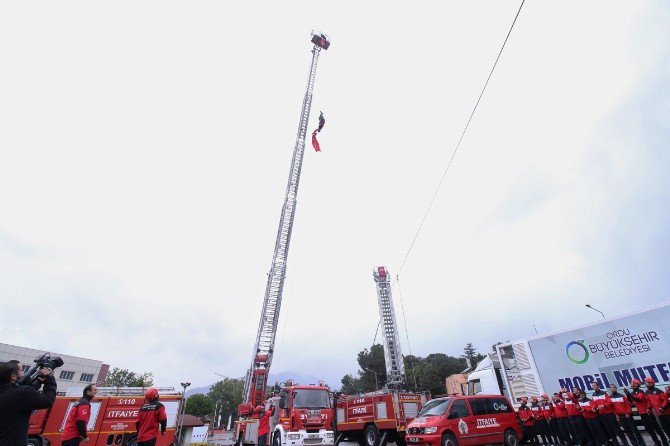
145	148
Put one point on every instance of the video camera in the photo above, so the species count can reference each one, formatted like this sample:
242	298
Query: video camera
46	360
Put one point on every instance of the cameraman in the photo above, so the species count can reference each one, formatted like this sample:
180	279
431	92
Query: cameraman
18	401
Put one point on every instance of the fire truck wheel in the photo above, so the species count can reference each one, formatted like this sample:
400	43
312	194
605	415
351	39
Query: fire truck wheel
34	442
449	440
372	435
511	438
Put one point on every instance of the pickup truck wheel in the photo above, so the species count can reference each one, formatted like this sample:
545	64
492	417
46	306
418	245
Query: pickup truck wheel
372	435
511	438
449	440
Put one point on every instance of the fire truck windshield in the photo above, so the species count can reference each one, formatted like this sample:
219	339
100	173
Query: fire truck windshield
435	408
311	399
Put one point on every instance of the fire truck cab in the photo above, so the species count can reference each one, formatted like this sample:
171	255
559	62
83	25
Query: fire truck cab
303	416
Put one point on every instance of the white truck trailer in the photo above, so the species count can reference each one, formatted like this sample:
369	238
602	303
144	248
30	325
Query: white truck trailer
613	350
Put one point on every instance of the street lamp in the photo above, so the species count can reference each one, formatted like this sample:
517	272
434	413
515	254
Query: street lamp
183	410
595	309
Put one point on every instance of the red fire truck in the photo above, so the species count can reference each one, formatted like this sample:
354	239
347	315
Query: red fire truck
303	414
113	414
375	418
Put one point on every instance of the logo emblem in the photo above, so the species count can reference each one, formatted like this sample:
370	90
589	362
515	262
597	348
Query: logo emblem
575	354
462	426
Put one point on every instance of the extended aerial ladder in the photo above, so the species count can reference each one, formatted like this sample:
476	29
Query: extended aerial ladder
395	368
257	374
375	418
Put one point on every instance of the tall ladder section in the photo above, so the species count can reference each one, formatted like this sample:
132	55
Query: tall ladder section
395	368
256	380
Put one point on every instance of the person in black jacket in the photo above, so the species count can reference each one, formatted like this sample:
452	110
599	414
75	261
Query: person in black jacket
18	401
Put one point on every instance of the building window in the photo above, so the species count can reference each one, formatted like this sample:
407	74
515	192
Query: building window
64	374
86	377
25	368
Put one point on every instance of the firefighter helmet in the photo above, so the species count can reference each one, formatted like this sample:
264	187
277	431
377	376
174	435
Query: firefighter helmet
151	394
635	381
649	380
545	396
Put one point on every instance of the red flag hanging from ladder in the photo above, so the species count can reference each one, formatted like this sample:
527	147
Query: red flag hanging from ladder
315	142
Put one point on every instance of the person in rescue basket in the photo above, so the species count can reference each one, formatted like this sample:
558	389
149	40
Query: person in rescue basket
659	403
572	408
561	414
641	401
17	402
601	401
264	426
526	416
550	416
541	427
590	414
624	415
77	420
150	416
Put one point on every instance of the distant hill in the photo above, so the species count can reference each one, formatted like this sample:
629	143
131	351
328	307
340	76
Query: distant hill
280	377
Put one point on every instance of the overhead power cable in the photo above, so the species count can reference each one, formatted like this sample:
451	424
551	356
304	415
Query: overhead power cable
444	174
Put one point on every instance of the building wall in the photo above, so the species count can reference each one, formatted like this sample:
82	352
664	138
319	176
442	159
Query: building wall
453	382
75	372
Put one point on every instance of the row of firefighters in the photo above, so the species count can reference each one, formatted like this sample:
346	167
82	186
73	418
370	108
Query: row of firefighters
573	419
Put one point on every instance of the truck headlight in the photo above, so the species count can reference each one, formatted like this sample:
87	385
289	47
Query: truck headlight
431	430
293	436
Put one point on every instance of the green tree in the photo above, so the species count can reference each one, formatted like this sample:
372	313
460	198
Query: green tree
125	378
372	363
200	405
226	395
350	385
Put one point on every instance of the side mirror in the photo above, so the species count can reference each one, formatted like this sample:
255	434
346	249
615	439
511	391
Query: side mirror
453	414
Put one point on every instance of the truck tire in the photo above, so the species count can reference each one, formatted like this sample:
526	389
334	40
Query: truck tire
372	435
449	440
511	438
32	441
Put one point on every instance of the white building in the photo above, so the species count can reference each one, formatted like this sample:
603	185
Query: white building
75	372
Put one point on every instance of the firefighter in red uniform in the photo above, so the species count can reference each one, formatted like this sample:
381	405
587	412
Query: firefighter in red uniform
527	422
562	420
590	414
264	426
601	401
574	421
659	404
150	416
550	417
624	415
641	401
77	420
541	427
